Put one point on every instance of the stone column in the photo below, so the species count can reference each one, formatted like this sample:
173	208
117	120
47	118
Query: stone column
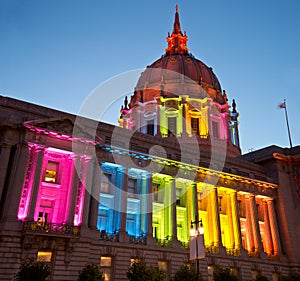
87	179
274	228
158	120
230	220
249	230
148	201
74	188
175	242
255	225
4	159
184	117
39	155
167	209
268	237
123	236
163	118
95	196
216	220
12	197
236	221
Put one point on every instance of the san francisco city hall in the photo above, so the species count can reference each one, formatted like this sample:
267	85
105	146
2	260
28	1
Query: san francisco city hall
73	190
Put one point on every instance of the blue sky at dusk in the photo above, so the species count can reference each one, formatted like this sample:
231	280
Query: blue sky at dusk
54	53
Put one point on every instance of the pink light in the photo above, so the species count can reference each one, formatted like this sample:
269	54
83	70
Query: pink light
58	194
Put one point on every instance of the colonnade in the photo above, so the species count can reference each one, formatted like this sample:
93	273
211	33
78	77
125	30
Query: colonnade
225	229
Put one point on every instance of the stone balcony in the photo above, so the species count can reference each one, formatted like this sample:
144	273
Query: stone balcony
51	229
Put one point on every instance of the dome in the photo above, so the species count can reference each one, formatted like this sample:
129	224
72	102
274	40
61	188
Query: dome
178	69
179	65
179	96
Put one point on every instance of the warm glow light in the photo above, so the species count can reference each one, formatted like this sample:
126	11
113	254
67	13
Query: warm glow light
44	256
193	232
201	229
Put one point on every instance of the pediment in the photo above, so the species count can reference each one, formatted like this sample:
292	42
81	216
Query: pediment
60	127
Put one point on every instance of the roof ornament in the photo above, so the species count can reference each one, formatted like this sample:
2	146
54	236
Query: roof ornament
126	103
177	41
233	106
225	96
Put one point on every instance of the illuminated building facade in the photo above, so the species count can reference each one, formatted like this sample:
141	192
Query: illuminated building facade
69	197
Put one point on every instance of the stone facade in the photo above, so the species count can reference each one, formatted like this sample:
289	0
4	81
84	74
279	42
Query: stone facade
249	205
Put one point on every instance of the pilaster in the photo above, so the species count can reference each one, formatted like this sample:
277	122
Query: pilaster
123	236
274	228
74	188
39	155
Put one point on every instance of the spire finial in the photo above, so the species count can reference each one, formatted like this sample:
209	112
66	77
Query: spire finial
176	41
176	28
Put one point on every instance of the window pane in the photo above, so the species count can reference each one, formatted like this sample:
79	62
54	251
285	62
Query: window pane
150	127
172	126
195	125
44	256
163	265
51	172
106	261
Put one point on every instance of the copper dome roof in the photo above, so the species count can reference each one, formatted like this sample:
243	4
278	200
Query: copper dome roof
178	66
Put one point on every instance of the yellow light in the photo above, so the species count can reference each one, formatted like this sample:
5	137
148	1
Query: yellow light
193	232
201	228
44	256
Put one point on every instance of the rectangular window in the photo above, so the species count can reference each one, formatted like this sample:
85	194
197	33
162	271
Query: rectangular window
45	211
105	183
163	265
210	273
131	225
132	185
44	256
106	267
51	172
150	127
172	126
155	187
215	128
195	125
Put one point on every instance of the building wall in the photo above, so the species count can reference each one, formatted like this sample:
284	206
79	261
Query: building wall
95	206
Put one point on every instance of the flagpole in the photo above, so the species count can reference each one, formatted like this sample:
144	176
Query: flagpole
287	124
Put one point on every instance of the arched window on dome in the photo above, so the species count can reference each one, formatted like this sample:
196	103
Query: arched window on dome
195	125
149	123
172	128
170	123
197	118
150	127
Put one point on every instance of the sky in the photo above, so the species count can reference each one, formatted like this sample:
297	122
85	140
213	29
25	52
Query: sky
55	53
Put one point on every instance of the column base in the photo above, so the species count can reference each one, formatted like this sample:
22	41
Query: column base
123	237
176	244
263	256
243	253
222	250
150	240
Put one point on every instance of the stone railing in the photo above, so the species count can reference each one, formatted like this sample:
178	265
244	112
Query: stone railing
51	228
114	237
164	242
185	245
233	252
212	249
141	240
